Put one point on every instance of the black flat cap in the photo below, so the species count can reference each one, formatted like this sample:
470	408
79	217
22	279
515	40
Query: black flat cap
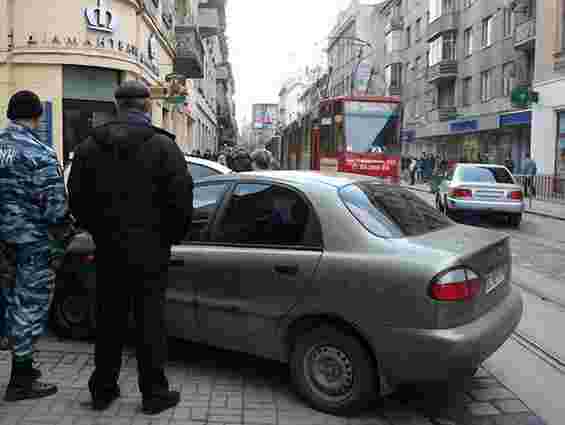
132	90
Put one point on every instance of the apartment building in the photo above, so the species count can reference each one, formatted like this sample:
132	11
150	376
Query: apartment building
548	138
455	63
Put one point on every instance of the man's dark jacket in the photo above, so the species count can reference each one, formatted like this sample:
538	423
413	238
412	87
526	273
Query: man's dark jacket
130	188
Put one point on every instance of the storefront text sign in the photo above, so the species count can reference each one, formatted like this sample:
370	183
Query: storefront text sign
463	126
517	118
45	129
100	18
372	164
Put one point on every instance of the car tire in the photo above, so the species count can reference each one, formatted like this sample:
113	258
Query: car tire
332	371
71	314
515	220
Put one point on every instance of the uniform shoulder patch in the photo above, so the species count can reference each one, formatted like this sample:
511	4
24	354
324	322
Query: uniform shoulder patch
7	155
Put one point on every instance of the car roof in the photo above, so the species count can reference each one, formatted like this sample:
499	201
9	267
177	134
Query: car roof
336	180
480	165
207	163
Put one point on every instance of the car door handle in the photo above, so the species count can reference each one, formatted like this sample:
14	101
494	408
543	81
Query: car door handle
176	262
290	270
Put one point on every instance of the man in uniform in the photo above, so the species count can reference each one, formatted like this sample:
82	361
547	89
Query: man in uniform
32	199
130	188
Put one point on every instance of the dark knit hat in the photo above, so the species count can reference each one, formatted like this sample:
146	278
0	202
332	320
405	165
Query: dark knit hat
132	89
24	105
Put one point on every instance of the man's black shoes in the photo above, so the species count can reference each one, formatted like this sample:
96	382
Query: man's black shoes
28	390
103	401
160	402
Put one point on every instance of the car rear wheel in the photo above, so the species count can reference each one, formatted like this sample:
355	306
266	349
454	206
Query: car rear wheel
515	220
332	371
71	314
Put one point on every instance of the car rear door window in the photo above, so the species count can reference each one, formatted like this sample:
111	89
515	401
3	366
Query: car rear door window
266	214
206	199
198	171
391	212
484	174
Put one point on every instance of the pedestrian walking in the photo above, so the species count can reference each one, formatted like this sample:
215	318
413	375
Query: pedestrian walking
508	163
412	168
262	159
239	160
529	169
130	188
32	200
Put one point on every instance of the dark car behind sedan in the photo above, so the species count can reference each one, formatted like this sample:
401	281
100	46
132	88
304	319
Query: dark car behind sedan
358	285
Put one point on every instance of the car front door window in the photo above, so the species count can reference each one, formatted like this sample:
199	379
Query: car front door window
198	171
264	214
206	199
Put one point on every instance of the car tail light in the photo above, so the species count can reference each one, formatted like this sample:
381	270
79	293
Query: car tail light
460	193
459	284
87	259
516	195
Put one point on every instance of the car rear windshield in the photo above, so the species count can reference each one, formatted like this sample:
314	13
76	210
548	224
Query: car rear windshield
391	212
483	174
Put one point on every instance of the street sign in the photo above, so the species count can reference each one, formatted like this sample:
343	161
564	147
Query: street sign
177	100
523	97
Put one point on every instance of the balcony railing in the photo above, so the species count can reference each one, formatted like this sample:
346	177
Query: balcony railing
442	71
525	35
189	52
449	21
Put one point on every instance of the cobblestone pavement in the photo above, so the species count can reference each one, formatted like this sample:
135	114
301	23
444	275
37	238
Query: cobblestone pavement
221	388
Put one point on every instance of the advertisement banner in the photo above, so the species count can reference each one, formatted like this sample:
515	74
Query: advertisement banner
361	79
372	164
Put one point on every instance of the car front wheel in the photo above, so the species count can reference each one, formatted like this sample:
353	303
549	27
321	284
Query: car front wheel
333	371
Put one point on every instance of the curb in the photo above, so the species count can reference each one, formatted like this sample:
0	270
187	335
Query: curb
532	212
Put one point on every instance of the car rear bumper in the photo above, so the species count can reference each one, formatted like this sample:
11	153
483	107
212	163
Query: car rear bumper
421	355
486	206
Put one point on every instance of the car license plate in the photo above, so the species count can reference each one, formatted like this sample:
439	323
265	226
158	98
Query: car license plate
495	278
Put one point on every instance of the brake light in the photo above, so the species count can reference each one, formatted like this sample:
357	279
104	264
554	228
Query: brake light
516	195
460	284
87	259
460	193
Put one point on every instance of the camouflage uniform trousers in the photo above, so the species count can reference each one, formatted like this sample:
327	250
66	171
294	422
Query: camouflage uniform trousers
26	306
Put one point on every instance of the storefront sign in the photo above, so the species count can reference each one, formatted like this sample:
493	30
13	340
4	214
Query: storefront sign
517	118
100	18
45	129
375	165
326	121
463	126
407	136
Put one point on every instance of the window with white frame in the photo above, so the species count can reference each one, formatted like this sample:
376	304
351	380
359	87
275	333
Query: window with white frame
466	91
486	85
507	78
439	7
468	41
508	22
443	48
487	31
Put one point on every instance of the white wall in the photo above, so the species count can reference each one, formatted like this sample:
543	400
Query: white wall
544	124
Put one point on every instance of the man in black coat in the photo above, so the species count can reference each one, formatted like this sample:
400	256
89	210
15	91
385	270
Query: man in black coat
130	188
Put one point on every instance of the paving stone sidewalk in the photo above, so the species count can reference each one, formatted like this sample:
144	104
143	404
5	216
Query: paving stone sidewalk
225	388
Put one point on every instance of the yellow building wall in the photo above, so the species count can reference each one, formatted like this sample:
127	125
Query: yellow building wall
44	80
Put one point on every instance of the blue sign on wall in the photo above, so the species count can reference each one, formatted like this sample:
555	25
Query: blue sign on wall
462	126
407	136
518	118
45	129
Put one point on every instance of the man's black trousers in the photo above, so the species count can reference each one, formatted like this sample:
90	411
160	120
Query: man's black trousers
120	287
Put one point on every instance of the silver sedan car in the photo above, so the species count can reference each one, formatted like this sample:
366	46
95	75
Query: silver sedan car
483	189
357	285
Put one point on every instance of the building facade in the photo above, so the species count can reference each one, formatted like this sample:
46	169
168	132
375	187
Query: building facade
75	53
548	138
458	62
